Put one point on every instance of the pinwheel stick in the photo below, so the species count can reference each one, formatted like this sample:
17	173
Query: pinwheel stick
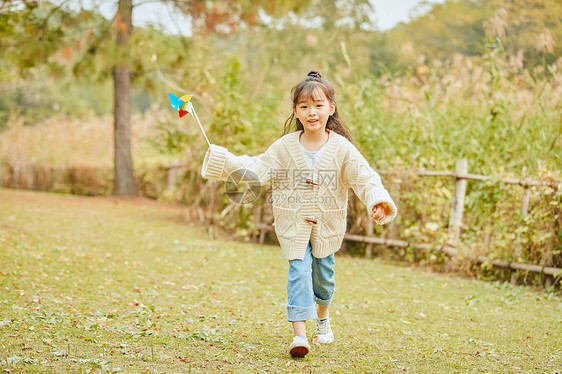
194	113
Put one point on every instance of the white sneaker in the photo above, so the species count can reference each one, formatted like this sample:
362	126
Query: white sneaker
299	347
323	333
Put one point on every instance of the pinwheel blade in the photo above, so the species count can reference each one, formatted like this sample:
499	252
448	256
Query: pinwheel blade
186	98
174	100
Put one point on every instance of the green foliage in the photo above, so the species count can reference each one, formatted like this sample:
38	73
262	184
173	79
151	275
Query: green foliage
41	98
36	80
171	139
241	118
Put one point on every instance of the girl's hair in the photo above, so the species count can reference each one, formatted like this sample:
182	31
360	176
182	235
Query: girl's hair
306	89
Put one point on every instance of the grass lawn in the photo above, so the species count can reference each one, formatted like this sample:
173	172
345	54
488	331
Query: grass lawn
125	285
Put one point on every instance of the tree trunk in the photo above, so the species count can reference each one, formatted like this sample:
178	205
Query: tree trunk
124	180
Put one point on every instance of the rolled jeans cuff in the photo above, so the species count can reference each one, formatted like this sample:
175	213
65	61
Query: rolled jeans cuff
299	313
321	302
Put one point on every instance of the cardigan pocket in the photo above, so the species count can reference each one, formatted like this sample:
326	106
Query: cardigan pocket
285	222
333	223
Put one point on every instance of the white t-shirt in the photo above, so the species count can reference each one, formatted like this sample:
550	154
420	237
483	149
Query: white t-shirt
312	157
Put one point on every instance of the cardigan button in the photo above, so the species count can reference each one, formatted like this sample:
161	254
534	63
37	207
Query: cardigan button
311	220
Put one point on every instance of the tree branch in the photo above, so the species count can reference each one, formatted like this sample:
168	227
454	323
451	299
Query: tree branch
148	2
53	11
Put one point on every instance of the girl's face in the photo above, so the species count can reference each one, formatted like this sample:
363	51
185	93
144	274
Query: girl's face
314	111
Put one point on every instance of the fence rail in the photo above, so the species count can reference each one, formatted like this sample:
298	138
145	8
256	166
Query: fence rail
476	177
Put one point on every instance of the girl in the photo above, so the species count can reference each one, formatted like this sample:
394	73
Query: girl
310	171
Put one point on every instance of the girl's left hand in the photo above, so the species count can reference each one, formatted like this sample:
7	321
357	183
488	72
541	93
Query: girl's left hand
379	212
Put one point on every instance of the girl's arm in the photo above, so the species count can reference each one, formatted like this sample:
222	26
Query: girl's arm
219	164
367	185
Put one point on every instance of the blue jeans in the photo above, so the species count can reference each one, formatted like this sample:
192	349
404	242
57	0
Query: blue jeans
310	280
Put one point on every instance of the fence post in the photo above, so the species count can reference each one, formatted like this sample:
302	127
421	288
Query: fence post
457	207
524	212
170	179
525	203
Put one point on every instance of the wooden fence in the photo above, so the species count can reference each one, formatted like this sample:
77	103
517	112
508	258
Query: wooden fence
461	177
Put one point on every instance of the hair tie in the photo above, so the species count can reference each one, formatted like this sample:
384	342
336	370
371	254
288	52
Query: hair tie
314	74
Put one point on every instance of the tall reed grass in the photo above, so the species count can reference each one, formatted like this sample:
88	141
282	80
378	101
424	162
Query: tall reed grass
65	141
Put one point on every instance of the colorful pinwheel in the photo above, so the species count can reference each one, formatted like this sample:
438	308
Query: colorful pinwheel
181	104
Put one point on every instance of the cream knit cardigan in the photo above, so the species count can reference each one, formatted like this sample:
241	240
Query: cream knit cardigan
308	204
